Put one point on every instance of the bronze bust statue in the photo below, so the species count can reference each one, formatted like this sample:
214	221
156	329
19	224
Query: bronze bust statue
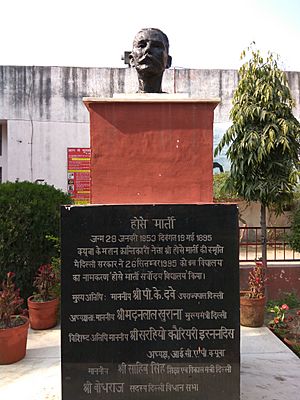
150	57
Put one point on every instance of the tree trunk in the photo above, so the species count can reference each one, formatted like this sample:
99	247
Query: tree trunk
263	225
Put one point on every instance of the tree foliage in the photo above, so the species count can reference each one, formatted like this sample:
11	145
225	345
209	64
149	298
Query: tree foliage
264	136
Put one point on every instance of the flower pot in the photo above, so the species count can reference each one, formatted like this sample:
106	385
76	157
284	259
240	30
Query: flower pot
252	310
42	314
13	342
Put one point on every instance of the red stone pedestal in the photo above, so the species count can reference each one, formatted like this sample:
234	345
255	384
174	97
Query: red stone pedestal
151	150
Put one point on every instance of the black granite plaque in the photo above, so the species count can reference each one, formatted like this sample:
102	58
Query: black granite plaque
150	302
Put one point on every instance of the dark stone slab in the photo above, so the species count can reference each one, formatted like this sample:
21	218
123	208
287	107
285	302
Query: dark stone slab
150	302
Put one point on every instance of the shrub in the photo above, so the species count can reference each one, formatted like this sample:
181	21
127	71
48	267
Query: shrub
56	265
222	190
44	282
279	322
289	298
28	213
256	281
10	302
294	236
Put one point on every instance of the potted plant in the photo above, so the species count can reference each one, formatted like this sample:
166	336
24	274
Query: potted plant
43	305
279	324
252	301
13	328
286	325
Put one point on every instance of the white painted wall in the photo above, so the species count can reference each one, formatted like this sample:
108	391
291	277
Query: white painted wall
47	157
44	113
3	155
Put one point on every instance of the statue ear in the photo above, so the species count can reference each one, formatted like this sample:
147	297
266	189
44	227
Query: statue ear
169	62
131	60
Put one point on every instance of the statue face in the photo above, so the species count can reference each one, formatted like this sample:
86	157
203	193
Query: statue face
150	53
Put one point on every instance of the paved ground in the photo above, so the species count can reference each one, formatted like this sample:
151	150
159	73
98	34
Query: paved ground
269	370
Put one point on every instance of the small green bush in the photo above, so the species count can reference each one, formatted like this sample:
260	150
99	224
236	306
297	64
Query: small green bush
222	188
294	235
56	264
289	298
29	212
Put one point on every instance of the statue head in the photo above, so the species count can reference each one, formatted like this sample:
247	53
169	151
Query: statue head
150	57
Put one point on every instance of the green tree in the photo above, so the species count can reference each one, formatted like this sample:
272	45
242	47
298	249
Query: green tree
263	140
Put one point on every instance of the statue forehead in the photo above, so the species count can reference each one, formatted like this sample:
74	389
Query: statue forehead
150	34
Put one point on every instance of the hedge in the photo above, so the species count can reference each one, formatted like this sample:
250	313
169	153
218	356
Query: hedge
29	212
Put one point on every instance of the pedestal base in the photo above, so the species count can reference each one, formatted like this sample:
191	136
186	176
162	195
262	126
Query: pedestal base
151	150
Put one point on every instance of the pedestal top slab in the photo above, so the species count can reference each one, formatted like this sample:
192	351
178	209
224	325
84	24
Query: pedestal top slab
150	98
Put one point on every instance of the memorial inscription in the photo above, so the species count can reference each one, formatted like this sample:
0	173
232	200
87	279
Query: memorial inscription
150	302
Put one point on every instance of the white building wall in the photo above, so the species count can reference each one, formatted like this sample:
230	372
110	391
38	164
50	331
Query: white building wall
18	150
3	154
46	158
44	113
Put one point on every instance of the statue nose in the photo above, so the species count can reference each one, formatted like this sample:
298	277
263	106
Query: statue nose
148	48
